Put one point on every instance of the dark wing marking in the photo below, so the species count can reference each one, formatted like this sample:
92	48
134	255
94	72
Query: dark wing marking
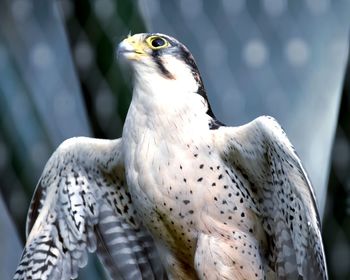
262	153
82	204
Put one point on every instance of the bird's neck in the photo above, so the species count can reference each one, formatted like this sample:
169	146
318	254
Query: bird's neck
166	109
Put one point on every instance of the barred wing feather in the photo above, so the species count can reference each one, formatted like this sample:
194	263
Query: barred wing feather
282	194
81	205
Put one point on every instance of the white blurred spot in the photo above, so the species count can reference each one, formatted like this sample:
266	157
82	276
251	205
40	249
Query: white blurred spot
21	9
105	104
297	52
234	100
191	9
255	53
41	55
83	55
104	9
275	7
215	52
233	7
63	105
148	8
318	7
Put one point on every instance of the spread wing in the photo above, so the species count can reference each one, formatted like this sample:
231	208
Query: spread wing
283	195
82	204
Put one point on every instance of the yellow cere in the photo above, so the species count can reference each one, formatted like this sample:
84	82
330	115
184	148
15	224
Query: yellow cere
138	46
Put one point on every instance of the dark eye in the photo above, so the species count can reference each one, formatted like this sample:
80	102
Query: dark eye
158	42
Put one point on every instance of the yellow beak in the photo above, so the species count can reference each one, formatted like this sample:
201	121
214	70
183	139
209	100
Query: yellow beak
132	48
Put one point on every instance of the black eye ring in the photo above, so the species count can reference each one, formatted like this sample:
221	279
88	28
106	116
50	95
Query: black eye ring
157	42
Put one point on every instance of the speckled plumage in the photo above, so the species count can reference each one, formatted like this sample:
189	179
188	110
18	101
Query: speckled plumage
219	202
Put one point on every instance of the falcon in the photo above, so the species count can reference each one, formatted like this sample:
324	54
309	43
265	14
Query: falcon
180	195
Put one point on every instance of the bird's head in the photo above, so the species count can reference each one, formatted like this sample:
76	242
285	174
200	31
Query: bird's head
163	66
159	54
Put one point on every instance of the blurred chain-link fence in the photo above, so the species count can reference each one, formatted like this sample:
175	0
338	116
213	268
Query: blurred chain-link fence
59	78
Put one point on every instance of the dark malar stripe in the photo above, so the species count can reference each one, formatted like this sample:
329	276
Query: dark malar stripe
161	67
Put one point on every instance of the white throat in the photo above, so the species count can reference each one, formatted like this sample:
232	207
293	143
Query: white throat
167	103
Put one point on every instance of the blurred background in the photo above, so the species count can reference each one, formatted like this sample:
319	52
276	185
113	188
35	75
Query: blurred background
59	78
